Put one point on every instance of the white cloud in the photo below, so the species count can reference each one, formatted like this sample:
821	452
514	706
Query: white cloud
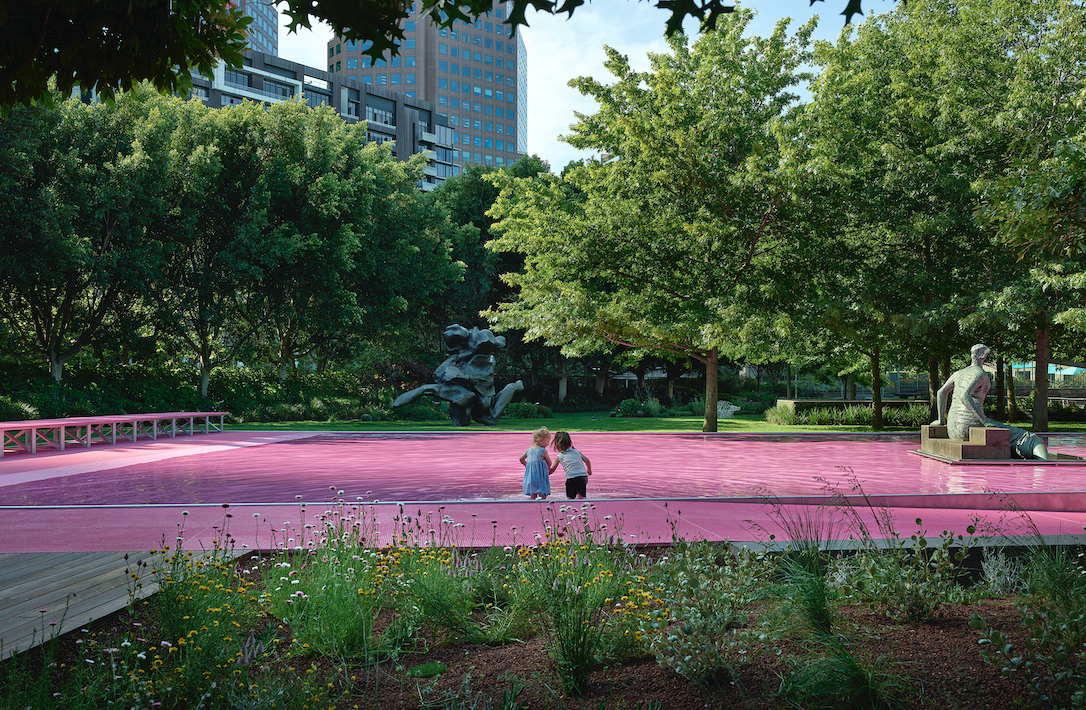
307	47
561	49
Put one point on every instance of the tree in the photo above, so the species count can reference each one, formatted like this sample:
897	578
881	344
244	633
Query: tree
648	250
111	45
1026	114
206	272
84	194
914	114
467	197
115	44
342	240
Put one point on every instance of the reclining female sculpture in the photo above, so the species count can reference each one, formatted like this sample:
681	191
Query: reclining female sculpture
466	379
969	387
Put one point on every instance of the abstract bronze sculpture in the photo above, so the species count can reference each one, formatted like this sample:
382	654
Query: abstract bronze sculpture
466	379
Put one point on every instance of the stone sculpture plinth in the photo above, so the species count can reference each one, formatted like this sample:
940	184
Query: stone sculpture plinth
983	443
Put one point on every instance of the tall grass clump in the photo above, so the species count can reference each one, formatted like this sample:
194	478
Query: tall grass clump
781	415
331	588
570	579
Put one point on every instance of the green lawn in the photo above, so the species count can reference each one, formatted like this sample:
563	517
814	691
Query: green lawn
585	421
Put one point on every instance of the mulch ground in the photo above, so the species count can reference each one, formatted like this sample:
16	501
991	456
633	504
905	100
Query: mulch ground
937	665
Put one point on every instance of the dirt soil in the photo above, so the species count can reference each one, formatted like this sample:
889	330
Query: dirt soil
937	663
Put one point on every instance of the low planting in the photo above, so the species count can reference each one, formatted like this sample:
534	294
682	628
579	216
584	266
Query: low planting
911	416
329	620
648	406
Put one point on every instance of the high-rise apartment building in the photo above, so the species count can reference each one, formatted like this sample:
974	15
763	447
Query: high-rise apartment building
411	122
263	33
474	73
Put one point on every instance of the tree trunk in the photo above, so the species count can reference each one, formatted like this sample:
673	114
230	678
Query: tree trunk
563	382
851	387
1012	398
601	382
205	375
1040	381
934	383
56	366
876	391
788	381
712	372
1001	391
945	366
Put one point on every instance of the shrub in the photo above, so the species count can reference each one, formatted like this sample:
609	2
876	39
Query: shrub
909	579
705	589
1003	574
421	410
526	410
13	410
781	415
1052	661
754	406
911	417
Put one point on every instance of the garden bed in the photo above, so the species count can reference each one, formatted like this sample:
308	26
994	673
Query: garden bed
575	621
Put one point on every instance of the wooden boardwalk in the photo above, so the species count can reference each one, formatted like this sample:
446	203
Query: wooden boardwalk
49	594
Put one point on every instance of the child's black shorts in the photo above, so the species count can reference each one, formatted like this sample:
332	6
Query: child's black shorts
577	487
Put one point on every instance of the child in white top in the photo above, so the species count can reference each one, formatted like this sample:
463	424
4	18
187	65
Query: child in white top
576	465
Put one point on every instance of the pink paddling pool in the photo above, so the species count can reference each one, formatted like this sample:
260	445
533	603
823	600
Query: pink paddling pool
481	466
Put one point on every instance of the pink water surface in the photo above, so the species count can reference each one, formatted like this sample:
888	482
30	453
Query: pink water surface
472	466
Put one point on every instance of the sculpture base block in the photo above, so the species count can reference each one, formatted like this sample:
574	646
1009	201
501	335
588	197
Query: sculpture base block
985	445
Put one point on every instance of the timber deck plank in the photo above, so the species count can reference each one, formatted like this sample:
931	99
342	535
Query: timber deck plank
73	589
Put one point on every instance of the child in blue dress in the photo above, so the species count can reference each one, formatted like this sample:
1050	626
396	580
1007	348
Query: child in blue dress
537	465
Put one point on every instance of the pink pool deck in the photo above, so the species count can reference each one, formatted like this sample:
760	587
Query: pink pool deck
465	487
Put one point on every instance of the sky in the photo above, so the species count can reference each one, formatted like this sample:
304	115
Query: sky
561	49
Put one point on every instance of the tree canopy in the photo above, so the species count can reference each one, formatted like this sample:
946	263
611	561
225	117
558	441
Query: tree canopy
648	249
115	44
278	235
112	45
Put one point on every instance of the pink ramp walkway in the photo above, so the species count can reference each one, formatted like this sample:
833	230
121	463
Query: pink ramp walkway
465	485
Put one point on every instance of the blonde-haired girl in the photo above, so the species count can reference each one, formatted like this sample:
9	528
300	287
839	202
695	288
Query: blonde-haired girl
537	465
